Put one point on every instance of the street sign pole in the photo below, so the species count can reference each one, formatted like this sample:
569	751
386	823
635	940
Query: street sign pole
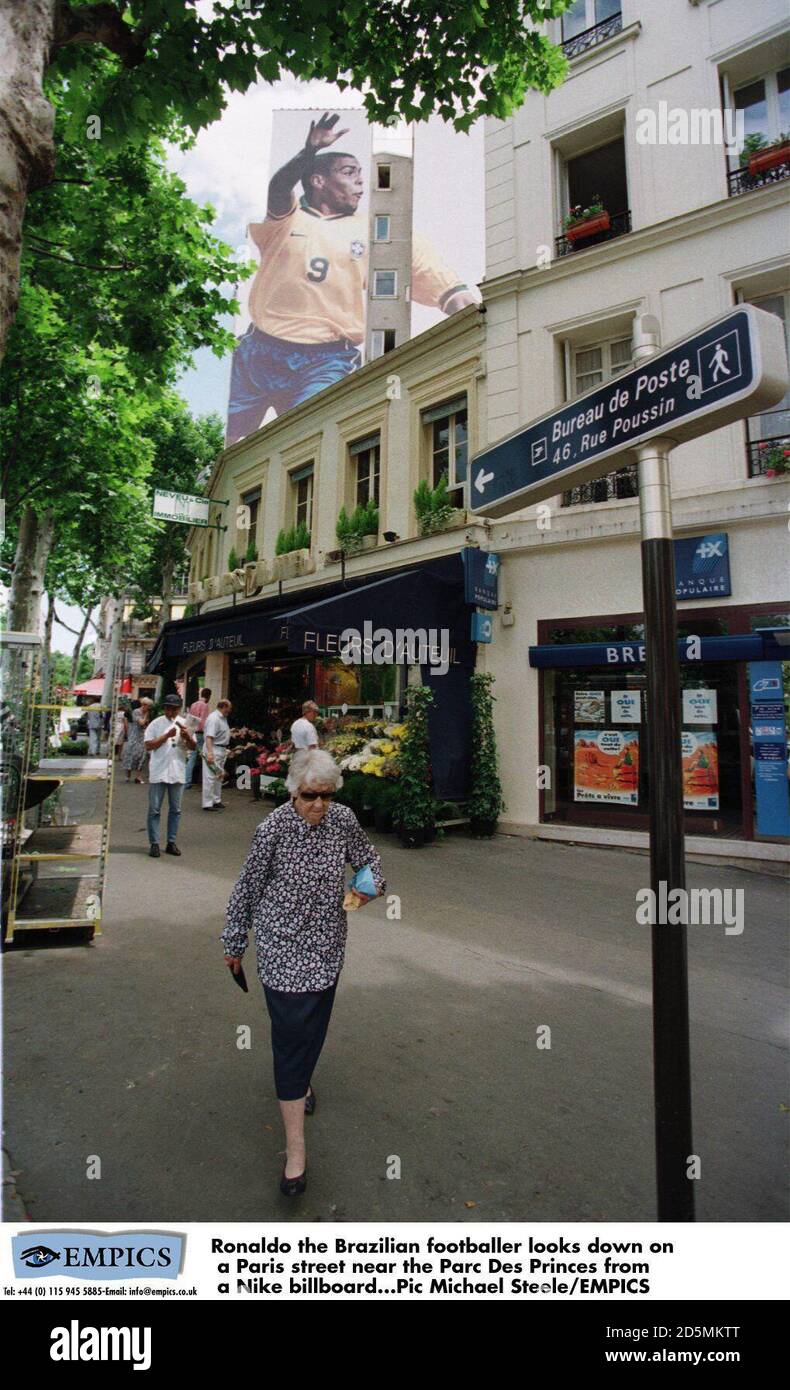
671	1050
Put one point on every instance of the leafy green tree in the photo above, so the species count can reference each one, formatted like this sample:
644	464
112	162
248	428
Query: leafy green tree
461	58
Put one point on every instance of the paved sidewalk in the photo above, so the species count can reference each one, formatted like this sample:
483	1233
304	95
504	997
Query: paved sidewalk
127	1049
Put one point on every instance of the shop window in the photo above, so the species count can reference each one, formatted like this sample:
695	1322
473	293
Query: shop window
587	367
381	340
596	180
385	284
448	440
384	175
302	485
768	434
366	461
587	23
382	227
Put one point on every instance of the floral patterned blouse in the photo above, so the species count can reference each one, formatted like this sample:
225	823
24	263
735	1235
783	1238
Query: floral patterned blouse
290	891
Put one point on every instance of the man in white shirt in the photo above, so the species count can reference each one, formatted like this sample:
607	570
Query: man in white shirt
303	731
168	740
216	737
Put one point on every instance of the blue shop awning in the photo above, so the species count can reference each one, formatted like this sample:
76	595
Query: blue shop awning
624	655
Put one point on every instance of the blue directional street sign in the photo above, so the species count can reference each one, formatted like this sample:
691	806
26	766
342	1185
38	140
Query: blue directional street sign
731	368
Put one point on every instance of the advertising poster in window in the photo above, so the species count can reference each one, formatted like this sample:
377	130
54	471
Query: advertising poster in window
626	707
606	766
589	706
699	706
700	771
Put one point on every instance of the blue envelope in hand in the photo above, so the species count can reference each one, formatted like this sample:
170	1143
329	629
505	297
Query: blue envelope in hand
362	882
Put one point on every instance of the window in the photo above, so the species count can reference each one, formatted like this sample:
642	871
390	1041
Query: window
588	22
382	227
381	340
586	367
384	172
250	536
765	104
366	458
449	446
302	484
597	177
385	284
769	433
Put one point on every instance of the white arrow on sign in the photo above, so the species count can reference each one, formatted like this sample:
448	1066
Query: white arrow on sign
481	480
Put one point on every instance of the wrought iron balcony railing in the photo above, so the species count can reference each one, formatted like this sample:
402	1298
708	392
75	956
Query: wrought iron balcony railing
619	225
596	34
612	487
741	181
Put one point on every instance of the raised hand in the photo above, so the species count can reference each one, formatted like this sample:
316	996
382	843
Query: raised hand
322	132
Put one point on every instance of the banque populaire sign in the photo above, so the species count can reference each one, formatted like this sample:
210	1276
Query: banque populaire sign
733	367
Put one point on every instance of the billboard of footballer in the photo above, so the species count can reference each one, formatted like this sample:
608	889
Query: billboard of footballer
307	300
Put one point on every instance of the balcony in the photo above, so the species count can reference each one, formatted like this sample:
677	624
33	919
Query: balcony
741	181
619	225
590	38
613	487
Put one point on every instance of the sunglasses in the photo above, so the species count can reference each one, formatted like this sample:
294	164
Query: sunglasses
316	796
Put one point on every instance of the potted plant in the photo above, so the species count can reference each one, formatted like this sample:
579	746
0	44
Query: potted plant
774	459
348	537
761	156
369	524
414	806
580	222
292	552
485	799
433	506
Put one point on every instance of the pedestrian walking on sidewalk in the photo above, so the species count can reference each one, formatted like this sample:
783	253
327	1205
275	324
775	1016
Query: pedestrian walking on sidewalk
168	740
95	720
216	738
134	748
199	711
303	731
291	892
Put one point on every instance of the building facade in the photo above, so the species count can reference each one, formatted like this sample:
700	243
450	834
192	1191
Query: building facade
681	230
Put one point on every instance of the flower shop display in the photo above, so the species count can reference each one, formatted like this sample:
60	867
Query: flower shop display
485	801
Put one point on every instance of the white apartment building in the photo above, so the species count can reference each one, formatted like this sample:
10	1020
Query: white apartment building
691	232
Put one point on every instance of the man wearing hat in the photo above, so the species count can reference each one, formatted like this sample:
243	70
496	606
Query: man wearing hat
168	741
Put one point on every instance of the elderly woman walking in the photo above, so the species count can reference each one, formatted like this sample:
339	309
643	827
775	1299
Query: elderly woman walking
134	748
291	891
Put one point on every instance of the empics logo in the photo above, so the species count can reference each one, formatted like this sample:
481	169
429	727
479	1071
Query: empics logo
85	1255
75	1343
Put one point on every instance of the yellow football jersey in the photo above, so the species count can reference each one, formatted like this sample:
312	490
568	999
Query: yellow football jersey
311	284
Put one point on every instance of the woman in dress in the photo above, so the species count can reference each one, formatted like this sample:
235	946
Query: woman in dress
121	730
291	893
134	748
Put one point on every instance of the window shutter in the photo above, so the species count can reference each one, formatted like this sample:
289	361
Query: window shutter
372	442
440	412
304	472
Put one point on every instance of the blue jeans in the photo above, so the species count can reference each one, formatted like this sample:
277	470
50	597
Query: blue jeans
273	372
156	795
192	759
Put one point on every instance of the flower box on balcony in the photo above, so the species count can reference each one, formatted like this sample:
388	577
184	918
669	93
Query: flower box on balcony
761	160
579	231
256	574
195	591
293	564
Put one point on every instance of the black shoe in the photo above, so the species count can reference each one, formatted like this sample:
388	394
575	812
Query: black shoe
172	848
219	806
209	808
293	1187
154	852
309	1101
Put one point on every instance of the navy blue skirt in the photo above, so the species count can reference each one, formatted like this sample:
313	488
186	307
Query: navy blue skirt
299	1024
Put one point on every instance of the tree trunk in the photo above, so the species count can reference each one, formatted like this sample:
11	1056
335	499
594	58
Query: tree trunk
27	151
46	681
27	584
75	657
112	648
